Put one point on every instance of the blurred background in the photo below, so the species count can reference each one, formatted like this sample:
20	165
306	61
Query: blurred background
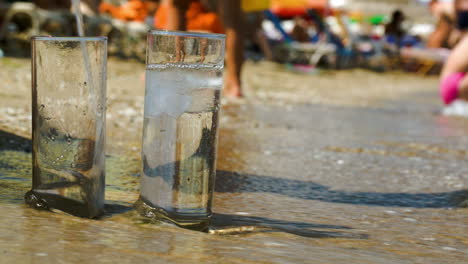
379	35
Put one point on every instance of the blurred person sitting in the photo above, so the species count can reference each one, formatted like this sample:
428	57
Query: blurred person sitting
394	30
300	30
454	80
231	16
256	38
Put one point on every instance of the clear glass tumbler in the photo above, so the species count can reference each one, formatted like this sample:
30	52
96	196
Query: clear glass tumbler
68	122
183	86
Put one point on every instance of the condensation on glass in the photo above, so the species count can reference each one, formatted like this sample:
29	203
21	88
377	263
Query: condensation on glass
68	122
183	86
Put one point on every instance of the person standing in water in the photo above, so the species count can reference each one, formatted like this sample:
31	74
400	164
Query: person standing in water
454	78
231	16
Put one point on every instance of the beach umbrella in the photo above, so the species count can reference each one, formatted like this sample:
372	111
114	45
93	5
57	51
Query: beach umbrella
255	5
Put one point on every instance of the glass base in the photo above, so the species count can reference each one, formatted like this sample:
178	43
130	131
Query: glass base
48	201
193	222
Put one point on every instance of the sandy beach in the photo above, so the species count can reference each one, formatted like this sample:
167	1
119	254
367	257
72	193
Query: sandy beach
330	167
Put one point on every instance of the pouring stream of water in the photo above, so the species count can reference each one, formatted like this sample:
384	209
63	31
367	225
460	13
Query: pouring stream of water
84	49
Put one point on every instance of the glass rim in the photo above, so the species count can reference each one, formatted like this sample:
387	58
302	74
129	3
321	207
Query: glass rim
187	34
101	38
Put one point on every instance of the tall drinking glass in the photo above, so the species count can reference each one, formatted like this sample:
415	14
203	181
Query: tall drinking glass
183	86
68	121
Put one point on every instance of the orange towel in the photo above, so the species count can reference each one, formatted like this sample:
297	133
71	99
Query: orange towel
198	19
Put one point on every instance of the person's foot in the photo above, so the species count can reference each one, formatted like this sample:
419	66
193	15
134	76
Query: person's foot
232	90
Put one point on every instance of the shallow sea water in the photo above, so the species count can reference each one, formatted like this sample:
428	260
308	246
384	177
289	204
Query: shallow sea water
296	183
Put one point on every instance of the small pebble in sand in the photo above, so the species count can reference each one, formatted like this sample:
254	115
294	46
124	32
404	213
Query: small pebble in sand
10	111
407	219
242	213
449	248
42	254
273	244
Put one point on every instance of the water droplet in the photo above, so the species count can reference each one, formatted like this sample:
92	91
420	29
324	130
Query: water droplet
99	108
61	156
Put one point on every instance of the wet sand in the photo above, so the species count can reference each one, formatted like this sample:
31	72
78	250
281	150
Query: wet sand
336	167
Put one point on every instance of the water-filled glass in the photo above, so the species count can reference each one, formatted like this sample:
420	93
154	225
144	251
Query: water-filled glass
183	86
68	122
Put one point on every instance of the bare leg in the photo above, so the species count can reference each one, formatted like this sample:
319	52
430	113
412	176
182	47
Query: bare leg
458	62
463	88
176	14
176	20
231	15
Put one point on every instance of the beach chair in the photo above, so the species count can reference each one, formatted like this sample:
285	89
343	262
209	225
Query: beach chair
291	51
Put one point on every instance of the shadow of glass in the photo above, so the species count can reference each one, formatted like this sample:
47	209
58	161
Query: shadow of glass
229	182
10	141
223	224
112	208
